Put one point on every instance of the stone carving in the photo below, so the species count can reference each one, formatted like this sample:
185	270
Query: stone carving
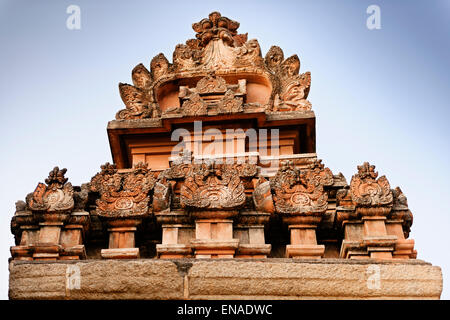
320	175
54	196
194	106
217	48
123	194
159	66
345	207
372	196
400	210
162	195
180	167
292	88
298	192
211	93
211	84
216	27
262	196
215	186
141	77
230	103
274	57
138	99
187	56
80	197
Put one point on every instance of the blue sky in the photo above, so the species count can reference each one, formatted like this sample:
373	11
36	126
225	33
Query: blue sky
379	95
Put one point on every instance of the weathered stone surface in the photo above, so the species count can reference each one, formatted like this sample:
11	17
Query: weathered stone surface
111	279
225	279
288	279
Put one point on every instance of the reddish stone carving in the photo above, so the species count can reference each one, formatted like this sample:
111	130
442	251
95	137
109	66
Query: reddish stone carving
300	192
159	66
400	210
51	224
123	194
162	195
213	186
215	209
262	196
211	84
216	27
372	196
213	94
56	196
293	88
301	200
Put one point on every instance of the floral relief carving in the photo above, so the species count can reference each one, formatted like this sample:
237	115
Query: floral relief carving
56	195
298	191
194	106
125	194
368	192
215	186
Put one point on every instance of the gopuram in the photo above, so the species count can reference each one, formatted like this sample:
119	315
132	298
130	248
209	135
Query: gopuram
216	192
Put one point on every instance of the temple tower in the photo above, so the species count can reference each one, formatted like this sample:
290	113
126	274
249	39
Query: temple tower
215	177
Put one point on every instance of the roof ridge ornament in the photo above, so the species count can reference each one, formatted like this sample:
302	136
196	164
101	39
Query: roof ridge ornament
216	27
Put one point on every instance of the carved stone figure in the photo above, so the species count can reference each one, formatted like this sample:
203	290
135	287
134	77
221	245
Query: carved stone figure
372	196
55	196
212	186
123	194
298	192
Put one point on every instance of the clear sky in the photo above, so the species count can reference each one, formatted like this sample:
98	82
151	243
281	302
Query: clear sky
379	95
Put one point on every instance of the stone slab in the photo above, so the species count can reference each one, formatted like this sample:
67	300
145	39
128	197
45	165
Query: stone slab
225	279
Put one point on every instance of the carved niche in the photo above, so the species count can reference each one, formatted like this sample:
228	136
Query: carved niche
372	197
123	194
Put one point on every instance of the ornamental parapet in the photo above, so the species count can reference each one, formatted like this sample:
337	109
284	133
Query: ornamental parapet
214	210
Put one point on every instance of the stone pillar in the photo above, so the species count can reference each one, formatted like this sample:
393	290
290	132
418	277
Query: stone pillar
352	247
301	201
48	247
404	248
177	231
214	238
373	199
121	240
72	236
304	243
378	243
26	231
398	225
124	202
252	242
